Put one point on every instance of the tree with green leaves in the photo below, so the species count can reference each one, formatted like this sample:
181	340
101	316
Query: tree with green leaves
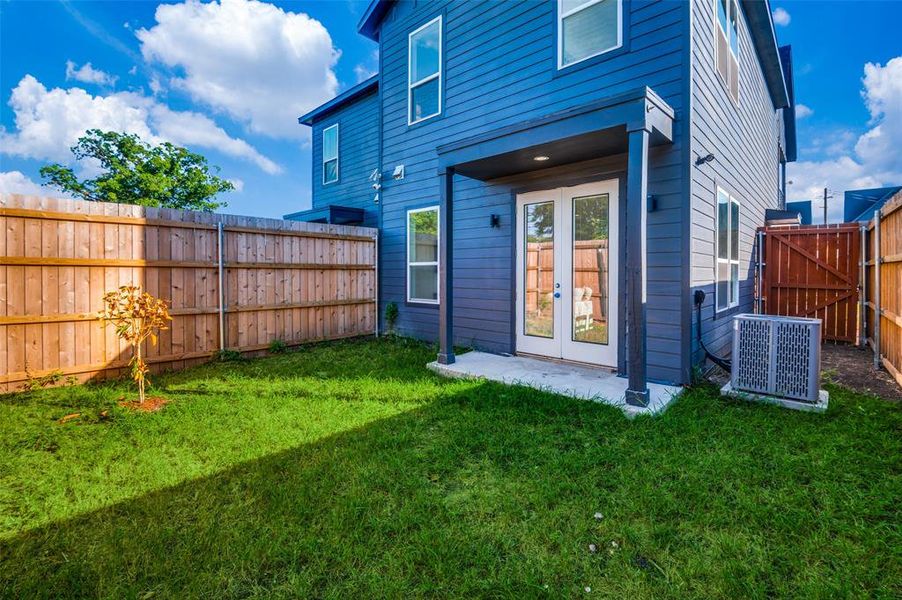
136	172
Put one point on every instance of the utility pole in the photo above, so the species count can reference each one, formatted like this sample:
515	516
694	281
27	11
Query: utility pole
825	206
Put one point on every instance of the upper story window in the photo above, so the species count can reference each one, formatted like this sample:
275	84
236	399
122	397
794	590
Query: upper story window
726	44
330	154
727	290
424	68
587	28
422	255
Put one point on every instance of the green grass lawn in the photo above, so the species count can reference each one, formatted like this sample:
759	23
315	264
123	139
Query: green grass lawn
347	470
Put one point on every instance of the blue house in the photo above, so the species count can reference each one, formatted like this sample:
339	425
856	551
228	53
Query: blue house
860	205
803	207
558	178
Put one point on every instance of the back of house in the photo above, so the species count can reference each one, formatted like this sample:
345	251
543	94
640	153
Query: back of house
556	178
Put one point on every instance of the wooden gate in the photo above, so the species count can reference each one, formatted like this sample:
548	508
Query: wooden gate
813	271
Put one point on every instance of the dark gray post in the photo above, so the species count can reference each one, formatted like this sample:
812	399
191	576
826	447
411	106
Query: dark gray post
636	194
445	275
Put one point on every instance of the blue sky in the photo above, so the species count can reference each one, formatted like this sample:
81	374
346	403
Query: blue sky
186	73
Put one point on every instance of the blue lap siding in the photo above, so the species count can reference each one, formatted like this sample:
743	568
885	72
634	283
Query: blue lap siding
500	68
358	157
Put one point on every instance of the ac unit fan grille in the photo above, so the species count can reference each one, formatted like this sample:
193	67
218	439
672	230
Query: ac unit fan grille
777	356
794	372
753	358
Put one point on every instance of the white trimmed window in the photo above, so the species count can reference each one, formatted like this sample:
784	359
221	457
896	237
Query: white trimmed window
424	68
587	28
422	255
330	154
726	44
727	290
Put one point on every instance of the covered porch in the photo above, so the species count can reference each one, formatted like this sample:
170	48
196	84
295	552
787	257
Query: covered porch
625	124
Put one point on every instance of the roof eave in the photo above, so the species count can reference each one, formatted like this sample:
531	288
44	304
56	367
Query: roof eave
340	100
761	25
789	112
372	18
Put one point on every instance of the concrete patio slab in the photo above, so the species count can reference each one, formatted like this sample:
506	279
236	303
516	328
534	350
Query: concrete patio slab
576	381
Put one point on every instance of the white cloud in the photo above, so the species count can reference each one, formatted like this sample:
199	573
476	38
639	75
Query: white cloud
782	17
16	182
266	72
368	68
803	111
49	122
155	86
88	74
238	183
873	161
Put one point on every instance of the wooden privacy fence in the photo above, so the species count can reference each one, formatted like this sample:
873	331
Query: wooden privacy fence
812	271
278	280
882	304
590	269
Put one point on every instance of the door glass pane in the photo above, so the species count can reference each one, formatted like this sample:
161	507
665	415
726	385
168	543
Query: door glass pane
589	31
538	270
591	283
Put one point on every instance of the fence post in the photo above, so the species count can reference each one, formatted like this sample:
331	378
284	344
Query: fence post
760	280
220	234
376	284
863	288
877	309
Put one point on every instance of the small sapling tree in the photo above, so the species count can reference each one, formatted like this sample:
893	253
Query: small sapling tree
136	316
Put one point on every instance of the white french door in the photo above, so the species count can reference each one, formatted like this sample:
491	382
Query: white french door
567	265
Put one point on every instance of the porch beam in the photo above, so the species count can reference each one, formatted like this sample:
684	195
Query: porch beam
636	217
445	272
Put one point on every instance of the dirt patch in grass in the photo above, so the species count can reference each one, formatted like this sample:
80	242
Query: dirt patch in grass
150	404
853	368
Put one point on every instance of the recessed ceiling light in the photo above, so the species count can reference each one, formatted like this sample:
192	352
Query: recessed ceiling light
540	158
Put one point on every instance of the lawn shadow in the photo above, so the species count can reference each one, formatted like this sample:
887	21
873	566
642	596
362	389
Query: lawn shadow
407	500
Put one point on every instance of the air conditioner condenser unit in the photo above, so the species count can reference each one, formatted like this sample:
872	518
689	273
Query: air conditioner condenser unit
777	360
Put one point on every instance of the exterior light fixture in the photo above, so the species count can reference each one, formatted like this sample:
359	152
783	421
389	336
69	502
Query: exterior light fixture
703	159
540	158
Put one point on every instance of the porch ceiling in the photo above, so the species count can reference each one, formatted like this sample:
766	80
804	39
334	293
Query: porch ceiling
589	131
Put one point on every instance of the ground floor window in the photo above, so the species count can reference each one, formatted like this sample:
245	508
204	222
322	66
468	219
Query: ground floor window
727	250
422	255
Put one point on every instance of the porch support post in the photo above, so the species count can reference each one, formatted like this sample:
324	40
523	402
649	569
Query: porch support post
636	211
445	260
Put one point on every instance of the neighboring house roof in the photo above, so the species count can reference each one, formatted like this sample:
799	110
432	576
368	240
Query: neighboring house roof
789	112
758	16
332	214
860	205
803	207
349	95
776	217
